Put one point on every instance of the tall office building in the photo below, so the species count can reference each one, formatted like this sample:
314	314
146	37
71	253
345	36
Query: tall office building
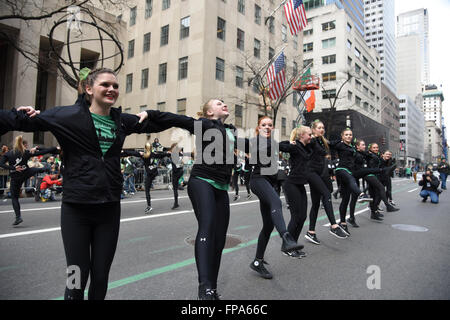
379	22
412	126
355	9
433	98
416	23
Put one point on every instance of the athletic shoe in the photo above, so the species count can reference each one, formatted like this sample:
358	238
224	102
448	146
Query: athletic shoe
292	254
374	216
380	209
18	221
424	199
380	214
391	208
364	198
176	205
206	294
391	202
289	243
249	196
148	209
312	237
344	228
258	266
301	254
337	232
352	222
236	197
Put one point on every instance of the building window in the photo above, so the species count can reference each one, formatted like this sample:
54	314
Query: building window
130	49
240	39
357	53
133	12
329	76
220	69
328	43
184	27
272	25
349	44
329	94
308	47
329	25
221	28
257	14
164	35
181	106
271	53
295	68
349	61
329	59
308	32
349	27
283	33
283	126
307	62
241	6
349	95
146	45
357	101
357	68
129	83
238	116
162	74
183	68
239	77
165	4
257	48
148	8
144	78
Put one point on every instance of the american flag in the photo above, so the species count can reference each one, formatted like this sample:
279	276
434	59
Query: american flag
295	15
276	77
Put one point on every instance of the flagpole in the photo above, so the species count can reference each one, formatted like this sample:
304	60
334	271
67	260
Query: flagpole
273	12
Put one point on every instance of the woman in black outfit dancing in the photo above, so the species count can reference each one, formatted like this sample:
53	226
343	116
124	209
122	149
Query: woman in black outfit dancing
91	134
319	189
263	183
16	161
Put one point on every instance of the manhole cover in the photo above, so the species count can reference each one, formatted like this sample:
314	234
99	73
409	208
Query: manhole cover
409	227
230	242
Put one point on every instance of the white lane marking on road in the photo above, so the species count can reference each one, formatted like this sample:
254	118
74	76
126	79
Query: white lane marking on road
356	213
413	190
166	214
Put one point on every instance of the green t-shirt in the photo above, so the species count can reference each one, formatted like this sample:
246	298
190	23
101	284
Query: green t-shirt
106	131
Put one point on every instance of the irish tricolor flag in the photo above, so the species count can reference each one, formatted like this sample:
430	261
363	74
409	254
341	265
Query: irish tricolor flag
310	99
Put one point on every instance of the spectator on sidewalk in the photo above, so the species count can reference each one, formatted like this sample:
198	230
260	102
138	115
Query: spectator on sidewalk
444	171
430	185
47	189
408	172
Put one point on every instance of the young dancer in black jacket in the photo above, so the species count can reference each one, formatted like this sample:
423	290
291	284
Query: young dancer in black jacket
91	134
16	161
263	181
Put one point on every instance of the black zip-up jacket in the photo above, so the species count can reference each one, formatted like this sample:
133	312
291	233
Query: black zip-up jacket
15	158
373	160
346	154
220	165
317	160
150	165
429	185
300	156
9	120
89	176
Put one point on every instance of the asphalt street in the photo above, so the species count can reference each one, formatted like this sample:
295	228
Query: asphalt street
155	260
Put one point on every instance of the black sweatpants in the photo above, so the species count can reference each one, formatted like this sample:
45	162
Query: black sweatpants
319	190
271	212
148	183
16	183
377	191
298	205
212	210
90	233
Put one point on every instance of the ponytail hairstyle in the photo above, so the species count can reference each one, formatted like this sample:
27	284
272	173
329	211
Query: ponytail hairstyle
88	77
314	125
259	122
147	150
18	145
297	132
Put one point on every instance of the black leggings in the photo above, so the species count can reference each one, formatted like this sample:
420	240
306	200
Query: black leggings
90	233
212	210
271	212
298	205
148	183
377	191
319	190
235	181
16	183
176	175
